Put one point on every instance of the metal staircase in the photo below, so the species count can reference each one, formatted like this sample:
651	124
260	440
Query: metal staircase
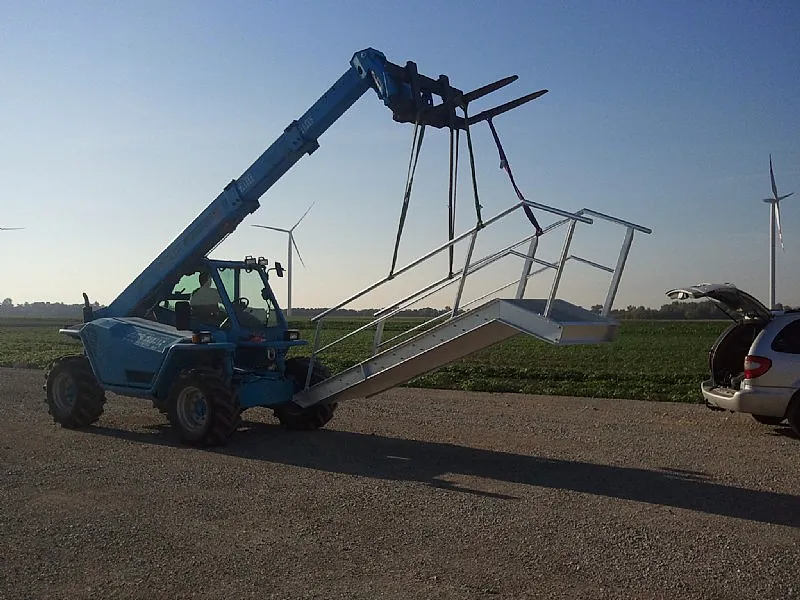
478	324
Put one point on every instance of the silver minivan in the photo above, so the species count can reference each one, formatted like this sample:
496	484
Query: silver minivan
754	363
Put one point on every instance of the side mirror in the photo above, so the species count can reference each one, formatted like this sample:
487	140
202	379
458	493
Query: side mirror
183	314
279	269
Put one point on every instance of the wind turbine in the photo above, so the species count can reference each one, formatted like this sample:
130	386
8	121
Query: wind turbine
289	252
10	228
774	220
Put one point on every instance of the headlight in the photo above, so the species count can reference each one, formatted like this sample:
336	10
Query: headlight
291	334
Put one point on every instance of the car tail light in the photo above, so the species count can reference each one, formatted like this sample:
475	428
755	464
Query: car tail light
755	366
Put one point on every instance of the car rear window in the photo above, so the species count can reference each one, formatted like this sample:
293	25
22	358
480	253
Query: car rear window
788	339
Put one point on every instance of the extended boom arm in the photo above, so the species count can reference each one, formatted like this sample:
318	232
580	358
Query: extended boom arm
409	96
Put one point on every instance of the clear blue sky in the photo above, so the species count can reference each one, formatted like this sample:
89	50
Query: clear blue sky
122	120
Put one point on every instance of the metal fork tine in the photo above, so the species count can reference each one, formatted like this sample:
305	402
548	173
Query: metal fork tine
498	110
486	89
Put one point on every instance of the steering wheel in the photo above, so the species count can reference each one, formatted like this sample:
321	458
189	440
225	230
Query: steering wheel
243	302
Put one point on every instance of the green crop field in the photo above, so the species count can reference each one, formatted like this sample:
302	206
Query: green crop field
650	360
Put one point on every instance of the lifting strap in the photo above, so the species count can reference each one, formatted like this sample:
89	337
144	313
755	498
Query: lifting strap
479	223
454	140
507	167
416	146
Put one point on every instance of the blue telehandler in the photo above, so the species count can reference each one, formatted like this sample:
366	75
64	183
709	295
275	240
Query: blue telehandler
206	339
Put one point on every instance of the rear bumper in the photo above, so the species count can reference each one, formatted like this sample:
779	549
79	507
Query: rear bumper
766	401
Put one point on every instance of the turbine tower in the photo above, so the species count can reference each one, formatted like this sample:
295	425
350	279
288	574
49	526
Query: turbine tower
774	223
291	243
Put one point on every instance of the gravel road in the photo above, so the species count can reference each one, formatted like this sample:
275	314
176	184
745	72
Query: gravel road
410	494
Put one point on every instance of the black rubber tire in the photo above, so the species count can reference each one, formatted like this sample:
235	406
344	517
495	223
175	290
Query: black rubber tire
89	398
221	409
793	414
295	417
765	420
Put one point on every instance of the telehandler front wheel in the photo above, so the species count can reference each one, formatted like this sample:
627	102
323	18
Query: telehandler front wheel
203	409
296	417
74	398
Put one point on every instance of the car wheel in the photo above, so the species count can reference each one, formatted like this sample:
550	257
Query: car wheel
793	414
765	420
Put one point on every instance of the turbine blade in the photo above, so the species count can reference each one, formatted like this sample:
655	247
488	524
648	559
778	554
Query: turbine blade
772	177
10	228
785	196
304	215
298	251
272	228
778	223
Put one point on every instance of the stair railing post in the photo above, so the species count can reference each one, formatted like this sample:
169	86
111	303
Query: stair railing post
526	269
460	290
313	353
561	262
615	278
376	343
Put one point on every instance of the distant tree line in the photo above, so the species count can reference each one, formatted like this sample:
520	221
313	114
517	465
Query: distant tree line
42	309
703	310
61	310
368	312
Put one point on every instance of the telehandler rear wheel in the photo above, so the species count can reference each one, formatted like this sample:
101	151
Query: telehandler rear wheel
74	398
202	408
296	417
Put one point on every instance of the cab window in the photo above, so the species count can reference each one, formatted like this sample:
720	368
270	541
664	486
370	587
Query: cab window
253	310
203	297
